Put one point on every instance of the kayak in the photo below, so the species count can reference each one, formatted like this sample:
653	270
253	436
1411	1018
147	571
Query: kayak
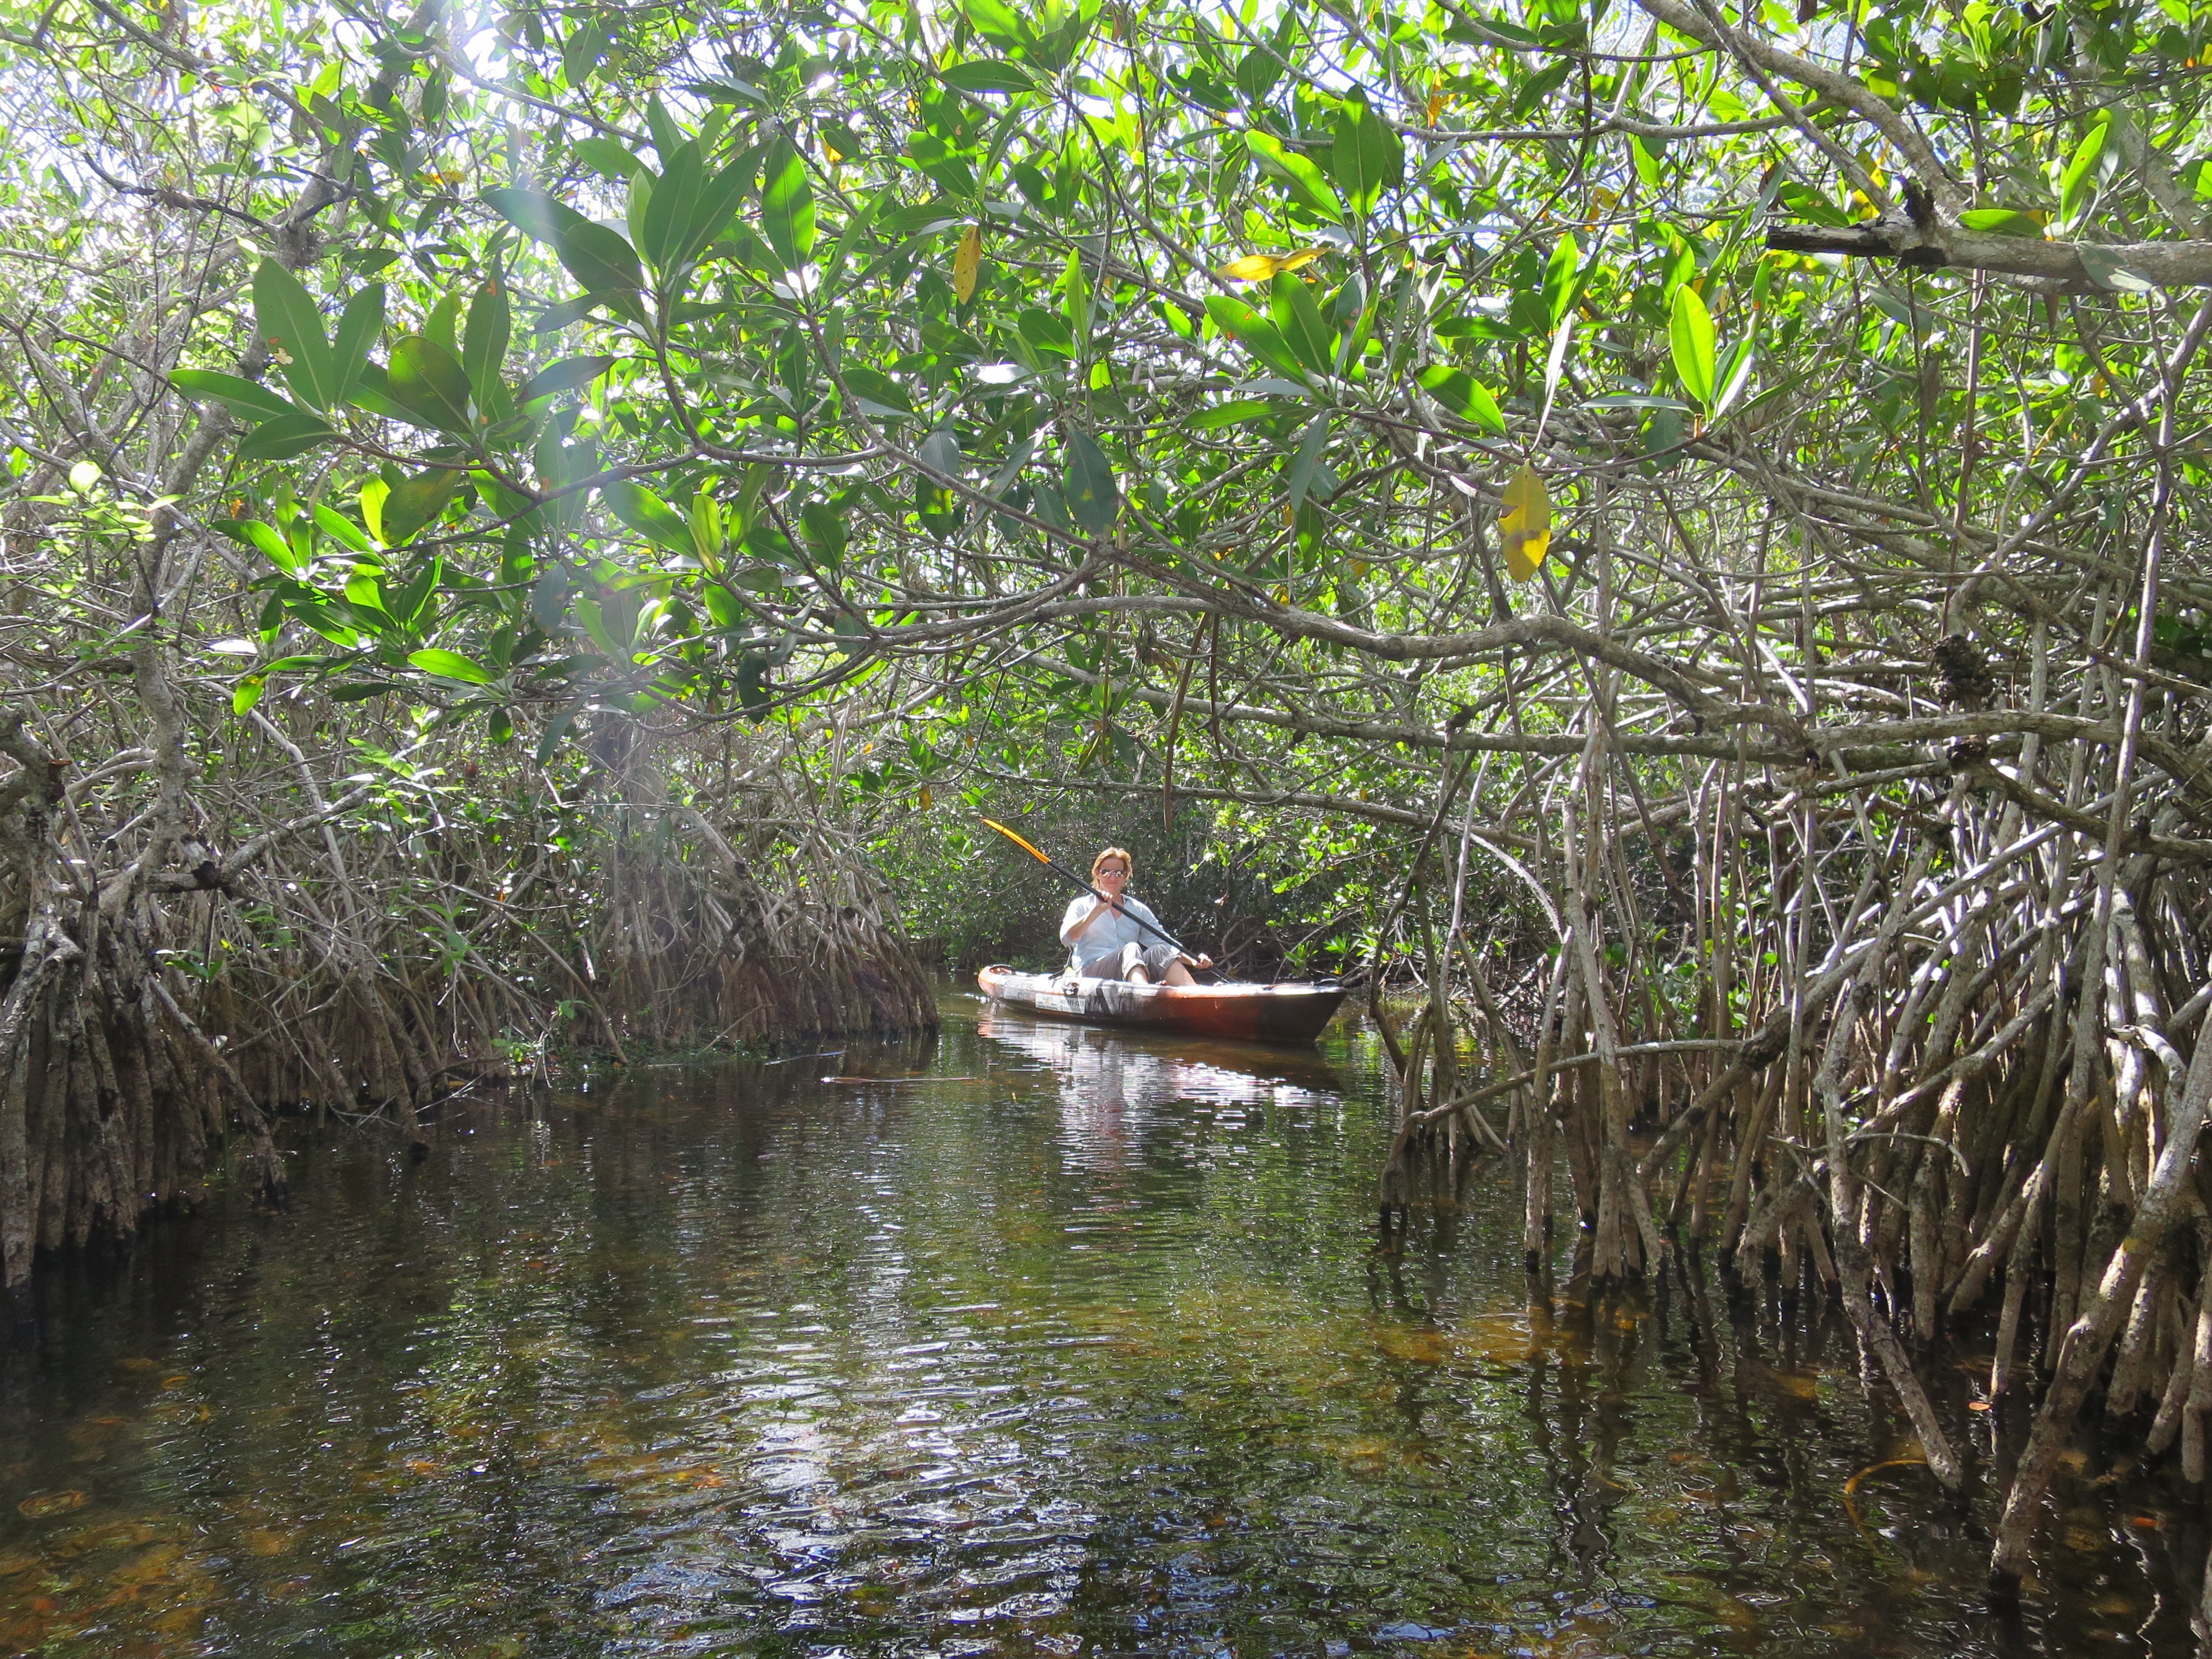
1247	1013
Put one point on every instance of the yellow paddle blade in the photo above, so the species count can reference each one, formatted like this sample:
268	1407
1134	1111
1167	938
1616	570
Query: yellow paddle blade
1016	840
1525	526
967	262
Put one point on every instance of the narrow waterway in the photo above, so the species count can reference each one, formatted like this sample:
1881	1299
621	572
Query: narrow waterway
1035	1339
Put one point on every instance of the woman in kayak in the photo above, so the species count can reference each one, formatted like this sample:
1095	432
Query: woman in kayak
1102	936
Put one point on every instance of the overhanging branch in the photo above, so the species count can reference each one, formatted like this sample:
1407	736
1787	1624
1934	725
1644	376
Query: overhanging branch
1944	246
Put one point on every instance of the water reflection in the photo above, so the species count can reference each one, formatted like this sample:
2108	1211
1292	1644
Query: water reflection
1113	1083
1042	1340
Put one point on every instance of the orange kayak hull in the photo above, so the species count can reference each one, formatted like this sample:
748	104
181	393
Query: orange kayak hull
1242	1013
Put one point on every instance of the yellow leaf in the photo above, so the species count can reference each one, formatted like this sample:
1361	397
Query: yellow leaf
1259	267
925	797
1252	268
967	263
1525	526
1436	106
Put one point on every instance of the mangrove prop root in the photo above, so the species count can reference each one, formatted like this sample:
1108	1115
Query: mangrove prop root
145	1015
1933	1046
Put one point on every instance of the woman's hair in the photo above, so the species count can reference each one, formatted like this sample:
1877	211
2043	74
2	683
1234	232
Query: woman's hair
1120	853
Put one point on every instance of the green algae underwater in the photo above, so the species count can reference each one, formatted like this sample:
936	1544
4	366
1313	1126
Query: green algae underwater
1032	1340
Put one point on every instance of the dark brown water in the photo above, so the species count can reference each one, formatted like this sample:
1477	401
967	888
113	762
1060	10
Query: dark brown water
1060	1342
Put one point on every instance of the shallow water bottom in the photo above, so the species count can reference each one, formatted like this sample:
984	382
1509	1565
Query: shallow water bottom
1036	1339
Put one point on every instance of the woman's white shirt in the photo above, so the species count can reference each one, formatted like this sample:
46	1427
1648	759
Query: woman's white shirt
1106	937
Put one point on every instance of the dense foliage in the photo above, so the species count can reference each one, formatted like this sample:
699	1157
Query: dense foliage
899	352
1679	522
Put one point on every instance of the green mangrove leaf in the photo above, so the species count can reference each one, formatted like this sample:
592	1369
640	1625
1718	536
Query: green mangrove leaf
290	329
450	665
1689	333
1094	500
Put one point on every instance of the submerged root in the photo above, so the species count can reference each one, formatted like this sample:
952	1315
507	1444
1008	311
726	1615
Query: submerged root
149	1015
